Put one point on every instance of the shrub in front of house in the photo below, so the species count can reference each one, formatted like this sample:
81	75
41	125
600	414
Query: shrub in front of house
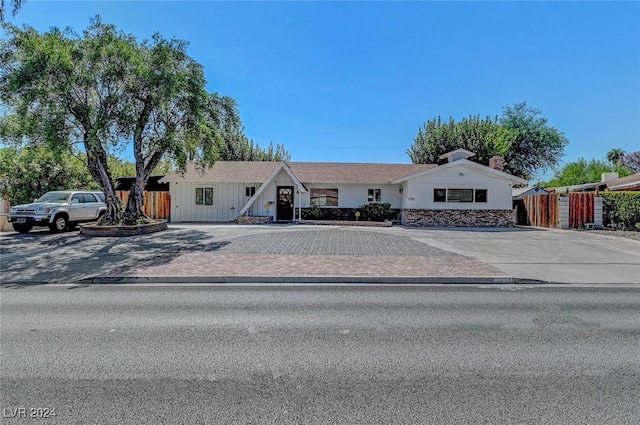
621	210
376	212
368	212
318	213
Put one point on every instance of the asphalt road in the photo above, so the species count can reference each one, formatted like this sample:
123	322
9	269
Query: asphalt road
348	355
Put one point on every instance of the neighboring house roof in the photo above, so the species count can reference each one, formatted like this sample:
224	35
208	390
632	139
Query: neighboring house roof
306	172
586	187
519	192
631	182
465	163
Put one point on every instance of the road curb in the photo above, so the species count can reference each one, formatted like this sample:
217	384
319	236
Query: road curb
387	280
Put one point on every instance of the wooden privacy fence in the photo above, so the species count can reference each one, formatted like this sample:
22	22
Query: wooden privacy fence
542	210
581	209
156	204
547	210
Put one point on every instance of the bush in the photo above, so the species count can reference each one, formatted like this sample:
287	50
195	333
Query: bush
375	212
318	213
621	210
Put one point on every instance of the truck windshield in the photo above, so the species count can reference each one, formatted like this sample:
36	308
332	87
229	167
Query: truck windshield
58	197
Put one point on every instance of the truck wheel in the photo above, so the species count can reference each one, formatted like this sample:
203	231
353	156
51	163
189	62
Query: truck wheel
22	228
59	224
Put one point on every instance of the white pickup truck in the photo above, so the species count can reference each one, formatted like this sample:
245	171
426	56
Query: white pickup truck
59	210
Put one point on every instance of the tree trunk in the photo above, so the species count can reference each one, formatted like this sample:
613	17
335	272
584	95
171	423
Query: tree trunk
133	214
97	164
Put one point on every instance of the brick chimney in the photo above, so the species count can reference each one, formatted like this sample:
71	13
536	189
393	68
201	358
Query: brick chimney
496	162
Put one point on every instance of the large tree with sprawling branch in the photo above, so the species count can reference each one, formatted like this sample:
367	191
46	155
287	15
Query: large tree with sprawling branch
104	90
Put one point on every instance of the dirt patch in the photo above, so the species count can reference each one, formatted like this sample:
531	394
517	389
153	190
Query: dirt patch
628	234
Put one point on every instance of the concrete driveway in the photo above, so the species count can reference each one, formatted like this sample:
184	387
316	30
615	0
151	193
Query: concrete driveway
544	254
234	253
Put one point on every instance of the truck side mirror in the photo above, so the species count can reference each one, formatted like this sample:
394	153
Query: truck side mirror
75	201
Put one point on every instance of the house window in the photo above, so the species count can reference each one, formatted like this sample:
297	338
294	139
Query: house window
374	195
204	196
460	195
480	195
439	195
323	197
249	191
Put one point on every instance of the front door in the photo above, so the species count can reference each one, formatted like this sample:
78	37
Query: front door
284	209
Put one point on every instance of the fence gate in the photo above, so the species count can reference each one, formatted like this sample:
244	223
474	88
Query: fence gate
542	210
572	211
581	209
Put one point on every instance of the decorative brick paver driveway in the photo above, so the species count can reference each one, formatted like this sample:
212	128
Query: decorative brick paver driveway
326	252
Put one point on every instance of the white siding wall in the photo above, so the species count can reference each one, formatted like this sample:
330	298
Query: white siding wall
270	196
225	196
355	195
418	192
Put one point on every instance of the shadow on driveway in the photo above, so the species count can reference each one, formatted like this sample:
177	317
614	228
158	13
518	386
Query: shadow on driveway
41	257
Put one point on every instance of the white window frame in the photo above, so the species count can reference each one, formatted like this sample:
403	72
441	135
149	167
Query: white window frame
204	190
324	204
374	195
449	200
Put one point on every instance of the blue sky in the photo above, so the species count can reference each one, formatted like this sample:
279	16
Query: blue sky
353	81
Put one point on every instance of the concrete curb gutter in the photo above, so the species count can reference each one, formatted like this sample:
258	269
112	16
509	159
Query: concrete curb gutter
388	280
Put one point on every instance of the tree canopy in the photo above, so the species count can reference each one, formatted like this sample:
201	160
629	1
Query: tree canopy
520	135
615	156
29	172
16	5
104	90
583	171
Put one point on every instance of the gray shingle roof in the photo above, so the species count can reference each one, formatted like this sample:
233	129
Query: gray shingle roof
307	172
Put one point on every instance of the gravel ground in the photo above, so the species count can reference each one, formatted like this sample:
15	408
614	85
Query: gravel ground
618	233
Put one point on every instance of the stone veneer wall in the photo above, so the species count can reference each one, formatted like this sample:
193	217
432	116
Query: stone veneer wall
461	218
255	220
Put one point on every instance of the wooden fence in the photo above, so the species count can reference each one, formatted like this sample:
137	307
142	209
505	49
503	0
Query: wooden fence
156	204
581	209
544	210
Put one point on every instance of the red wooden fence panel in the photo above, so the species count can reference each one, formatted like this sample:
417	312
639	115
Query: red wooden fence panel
581	209
157	205
542	210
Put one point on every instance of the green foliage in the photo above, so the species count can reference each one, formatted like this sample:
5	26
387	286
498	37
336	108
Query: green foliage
479	135
368	212
106	90
29	172
376	212
61	89
615	156
621	210
583	171
318	213
521	136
